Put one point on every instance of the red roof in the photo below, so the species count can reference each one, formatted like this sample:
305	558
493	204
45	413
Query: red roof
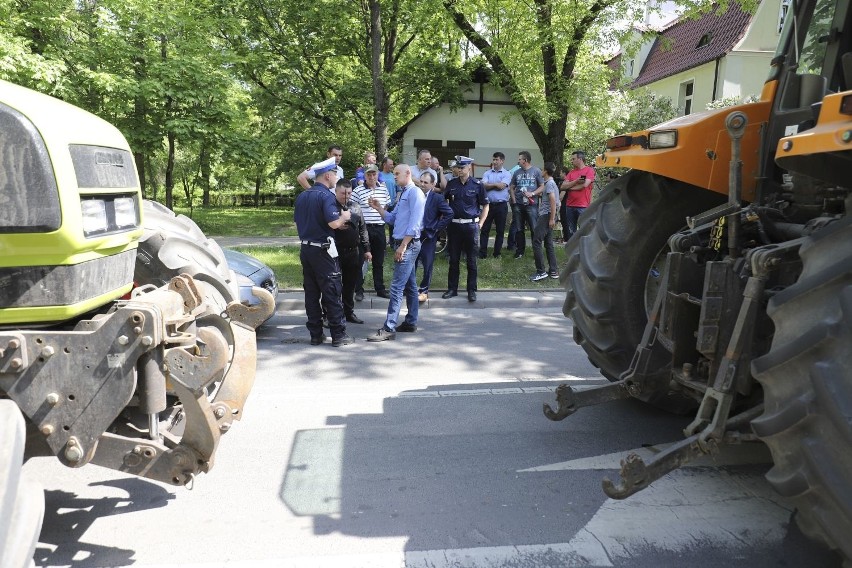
676	48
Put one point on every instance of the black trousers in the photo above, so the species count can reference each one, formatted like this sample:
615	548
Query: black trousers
350	266
322	281
497	214
463	237
378	245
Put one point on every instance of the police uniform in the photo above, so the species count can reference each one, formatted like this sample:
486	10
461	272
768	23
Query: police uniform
466	200
315	208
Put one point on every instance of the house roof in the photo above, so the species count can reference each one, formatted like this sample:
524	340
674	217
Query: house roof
677	48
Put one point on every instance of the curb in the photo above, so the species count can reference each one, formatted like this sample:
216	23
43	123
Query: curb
294	300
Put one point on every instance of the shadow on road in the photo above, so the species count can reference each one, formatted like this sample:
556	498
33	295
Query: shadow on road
70	516
446	471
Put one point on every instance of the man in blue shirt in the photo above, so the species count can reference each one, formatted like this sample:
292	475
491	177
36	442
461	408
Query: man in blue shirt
317	216
407	220
466	195
496	182
386	177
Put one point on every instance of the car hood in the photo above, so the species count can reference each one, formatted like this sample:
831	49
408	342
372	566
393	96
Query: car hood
242	263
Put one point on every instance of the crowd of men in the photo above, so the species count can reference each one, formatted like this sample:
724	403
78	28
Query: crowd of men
344	225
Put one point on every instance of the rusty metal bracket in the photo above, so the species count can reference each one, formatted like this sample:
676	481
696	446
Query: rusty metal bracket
569	401
253	316
636	475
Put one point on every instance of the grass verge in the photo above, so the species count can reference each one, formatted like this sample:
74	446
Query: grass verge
494	273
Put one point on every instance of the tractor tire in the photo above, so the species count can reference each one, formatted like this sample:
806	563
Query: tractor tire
172	245
615	260
21	499
807	385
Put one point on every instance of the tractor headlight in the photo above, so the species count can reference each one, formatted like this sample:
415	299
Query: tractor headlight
125	212
94	216
662	139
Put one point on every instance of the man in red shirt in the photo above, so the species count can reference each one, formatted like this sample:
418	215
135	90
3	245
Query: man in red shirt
575	193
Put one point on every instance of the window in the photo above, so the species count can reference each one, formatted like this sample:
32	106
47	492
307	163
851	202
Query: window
705	40
684	102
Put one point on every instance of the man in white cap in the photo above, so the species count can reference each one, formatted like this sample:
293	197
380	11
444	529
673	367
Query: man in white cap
469	202
335	152
317	216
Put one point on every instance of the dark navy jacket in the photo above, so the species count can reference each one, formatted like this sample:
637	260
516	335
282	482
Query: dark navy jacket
437	214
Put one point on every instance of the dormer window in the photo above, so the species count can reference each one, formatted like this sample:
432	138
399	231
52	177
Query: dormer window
705	40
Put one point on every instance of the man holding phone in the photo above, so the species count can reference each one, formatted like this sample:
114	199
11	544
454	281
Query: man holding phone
575	193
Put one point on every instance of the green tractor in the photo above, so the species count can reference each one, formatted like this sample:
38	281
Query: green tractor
122	339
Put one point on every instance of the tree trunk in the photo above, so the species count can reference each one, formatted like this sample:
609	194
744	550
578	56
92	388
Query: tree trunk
170	170
204	168
152	178
258	181
380	98
139	158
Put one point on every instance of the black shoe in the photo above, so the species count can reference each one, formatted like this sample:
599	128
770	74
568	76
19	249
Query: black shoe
383	294
483	256
352	318
471	296
519	255
449	294
406	327
359	296
344	339
382	335
317	339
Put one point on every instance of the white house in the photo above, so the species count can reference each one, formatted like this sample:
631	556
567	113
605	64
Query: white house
717	56
489	123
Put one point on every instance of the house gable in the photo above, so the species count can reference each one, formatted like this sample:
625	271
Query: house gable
692	43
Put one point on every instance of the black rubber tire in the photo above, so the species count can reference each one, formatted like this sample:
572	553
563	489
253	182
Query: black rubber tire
620	237
21	498
807	384
172	245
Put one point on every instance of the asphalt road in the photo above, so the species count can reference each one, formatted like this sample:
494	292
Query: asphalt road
428	451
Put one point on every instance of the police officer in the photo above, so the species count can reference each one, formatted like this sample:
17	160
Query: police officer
317	216
469	201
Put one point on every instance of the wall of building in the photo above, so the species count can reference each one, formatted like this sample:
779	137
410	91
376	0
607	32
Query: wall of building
485	128
744	74
763	34
702	78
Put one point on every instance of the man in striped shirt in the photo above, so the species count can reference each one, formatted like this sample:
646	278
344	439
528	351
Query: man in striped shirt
372	188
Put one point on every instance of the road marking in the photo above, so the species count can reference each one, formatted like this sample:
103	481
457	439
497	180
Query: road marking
522	556
740	454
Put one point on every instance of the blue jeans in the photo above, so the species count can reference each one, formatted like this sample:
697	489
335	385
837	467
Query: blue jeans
404	280
523	215
570	220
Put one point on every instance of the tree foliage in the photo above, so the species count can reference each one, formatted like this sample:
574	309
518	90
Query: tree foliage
243	94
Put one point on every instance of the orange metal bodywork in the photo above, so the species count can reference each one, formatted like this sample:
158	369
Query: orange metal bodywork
832	133
703	151
824	151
